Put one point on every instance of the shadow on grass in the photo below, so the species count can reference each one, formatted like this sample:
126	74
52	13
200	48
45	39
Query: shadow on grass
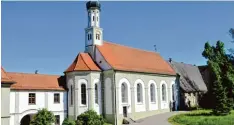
200	114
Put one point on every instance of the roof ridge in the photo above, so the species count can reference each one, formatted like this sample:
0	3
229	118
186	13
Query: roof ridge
32	74
186	63
132	47
85	62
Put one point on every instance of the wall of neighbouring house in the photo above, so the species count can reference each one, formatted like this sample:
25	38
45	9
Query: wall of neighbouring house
5	107
189	100
20	107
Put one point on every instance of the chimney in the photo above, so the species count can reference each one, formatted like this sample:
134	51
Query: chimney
170	59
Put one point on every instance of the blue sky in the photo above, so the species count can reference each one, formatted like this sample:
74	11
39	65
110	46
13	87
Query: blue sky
47	36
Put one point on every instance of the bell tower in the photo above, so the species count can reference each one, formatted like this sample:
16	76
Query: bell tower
93	32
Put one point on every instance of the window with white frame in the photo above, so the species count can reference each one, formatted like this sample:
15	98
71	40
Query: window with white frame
96	93
32	98
56	98
164	94
124	93
83	94
152	93
139	93
173	90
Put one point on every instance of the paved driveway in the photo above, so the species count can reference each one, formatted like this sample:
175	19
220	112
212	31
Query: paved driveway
160	119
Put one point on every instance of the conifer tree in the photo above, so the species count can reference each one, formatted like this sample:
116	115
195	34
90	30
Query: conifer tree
222	75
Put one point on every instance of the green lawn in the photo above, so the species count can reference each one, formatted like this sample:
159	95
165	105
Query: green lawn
107	124
201	117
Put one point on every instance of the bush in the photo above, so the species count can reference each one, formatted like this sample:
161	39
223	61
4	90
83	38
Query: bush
67	121
125	121
43	117
90	118
194	107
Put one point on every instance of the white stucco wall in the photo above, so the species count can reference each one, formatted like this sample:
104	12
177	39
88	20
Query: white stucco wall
108	96
101	61
19	106
97	107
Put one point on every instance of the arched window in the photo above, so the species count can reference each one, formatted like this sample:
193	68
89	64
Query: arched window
98	36
96	93
71	95
93	18
124	92
173	90
83	94
97	18
90	36
139	93
164	94
152	93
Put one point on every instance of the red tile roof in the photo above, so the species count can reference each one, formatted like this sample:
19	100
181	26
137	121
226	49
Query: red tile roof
83	62
25	81
131	59
5	78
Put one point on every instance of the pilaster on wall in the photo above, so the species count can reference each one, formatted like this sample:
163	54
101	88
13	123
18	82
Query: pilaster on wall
159	97
17	120
90	92
146	98
133	99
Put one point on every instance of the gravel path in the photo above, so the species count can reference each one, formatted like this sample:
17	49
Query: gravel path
160	119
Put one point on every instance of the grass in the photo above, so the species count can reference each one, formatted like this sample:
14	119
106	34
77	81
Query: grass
107	124
201	117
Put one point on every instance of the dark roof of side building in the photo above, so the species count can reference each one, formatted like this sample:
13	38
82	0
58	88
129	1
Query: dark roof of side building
190	77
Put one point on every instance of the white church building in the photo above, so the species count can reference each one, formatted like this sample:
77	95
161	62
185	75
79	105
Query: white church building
116	81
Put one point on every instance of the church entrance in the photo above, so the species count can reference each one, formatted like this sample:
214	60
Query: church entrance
125	111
